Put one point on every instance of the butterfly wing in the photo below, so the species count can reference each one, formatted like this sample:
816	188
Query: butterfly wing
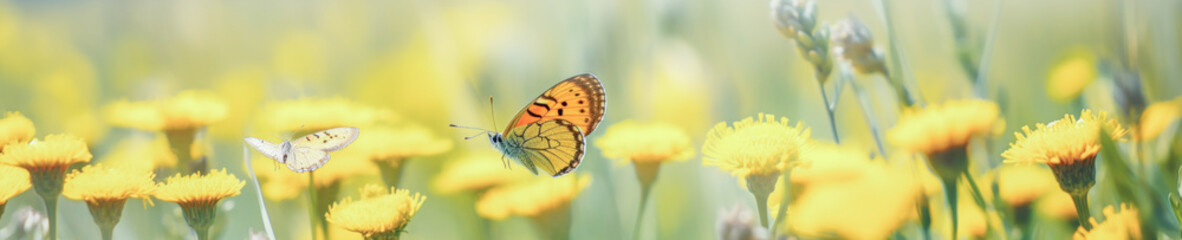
579	100
268	149
328	140
306	159
555	146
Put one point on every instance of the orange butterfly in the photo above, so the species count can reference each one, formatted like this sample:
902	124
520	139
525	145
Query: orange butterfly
549	132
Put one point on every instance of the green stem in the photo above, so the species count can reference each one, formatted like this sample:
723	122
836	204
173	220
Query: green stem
761	203
782	214
644	194
646	175
312	218
51	212
1081	209
202	233
829	108
180	141
950	195
867	110
925	217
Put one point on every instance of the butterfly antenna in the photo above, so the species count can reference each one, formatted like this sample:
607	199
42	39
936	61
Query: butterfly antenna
492	113
474	136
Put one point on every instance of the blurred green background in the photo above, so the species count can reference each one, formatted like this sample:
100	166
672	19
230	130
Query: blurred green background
690	62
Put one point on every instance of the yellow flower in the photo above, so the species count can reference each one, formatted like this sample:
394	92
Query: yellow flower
1069	78
13	181
1122	225
1021	185
15	128
98	183
186	110
54	153
197	189
630	141
105	190
378	214
389	144
531	198
309	114
1065	141
198	196
476	172
47	161
139	153
755	146
1068	146
1157	117
843	192
940	127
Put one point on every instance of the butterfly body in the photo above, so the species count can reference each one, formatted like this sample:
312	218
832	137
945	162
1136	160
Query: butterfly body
306	153
549	133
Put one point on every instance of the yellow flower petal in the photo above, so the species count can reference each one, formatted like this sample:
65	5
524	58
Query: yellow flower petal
477	172
1159	116
532	198
199	189
755	146
942	126
1062	142
1069	78
97	183
1117	225
15	128
186	110
377	212
13	181
55	151
843	192
630	141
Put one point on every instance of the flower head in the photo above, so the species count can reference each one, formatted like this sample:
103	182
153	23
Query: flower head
755	146
1069	146
141	154
476	172
794	18
198	195
943	126
1066	141
98	183
383	143
843	192
377	212
186	110
197	189
1070	76
13	181
639	142
532	198
15	128
53	152
1118	225
853	42
1157	117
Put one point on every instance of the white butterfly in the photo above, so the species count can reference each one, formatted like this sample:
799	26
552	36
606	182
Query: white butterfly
309	152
